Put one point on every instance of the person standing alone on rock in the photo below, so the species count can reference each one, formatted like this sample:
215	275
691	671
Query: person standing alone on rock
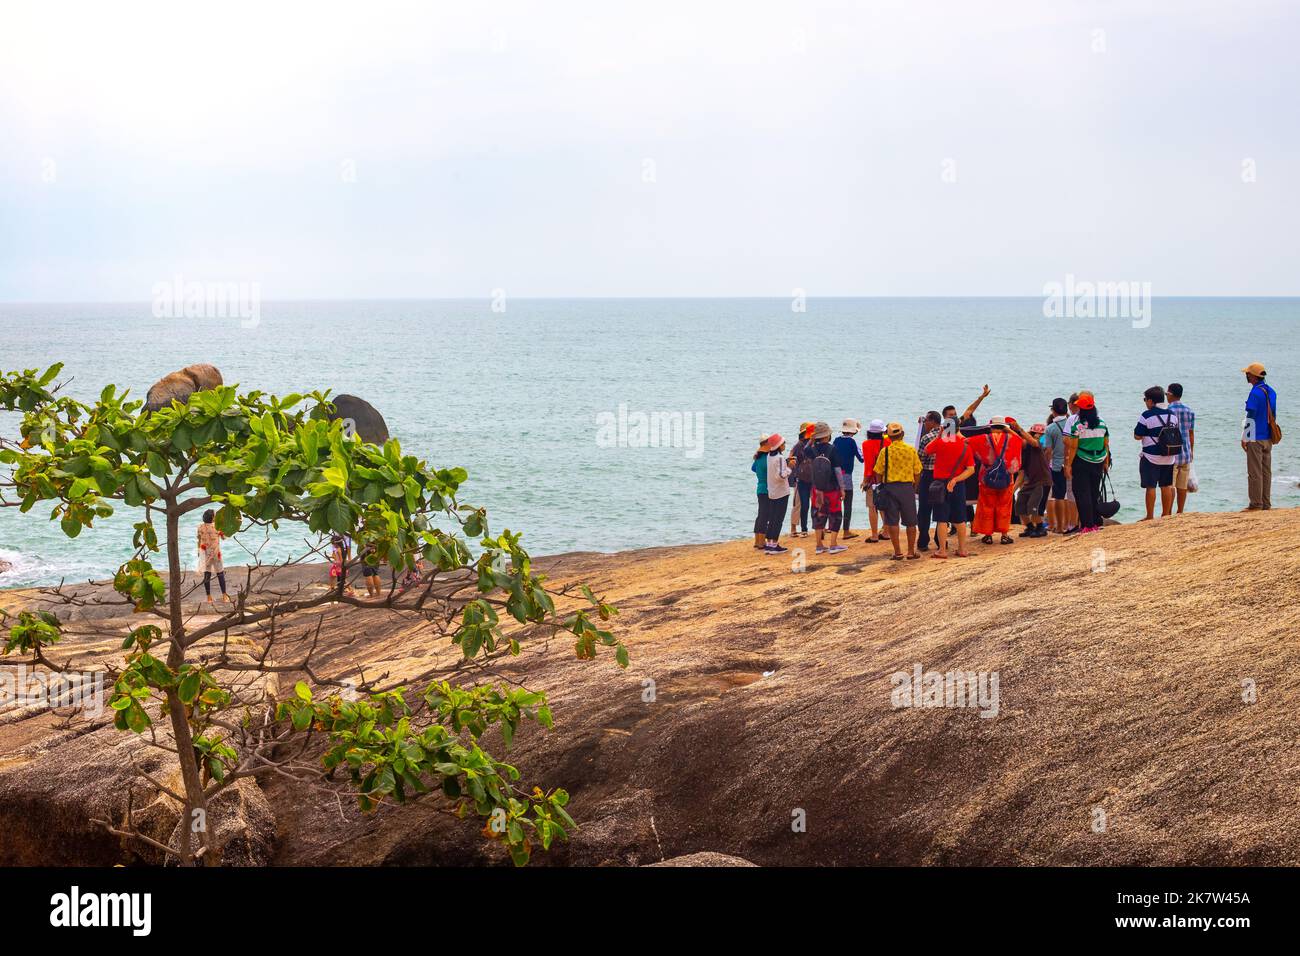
1258	437
210	555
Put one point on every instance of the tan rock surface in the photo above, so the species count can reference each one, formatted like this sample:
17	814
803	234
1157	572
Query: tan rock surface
1121	692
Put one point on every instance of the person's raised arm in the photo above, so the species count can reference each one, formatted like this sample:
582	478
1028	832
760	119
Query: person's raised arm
970	409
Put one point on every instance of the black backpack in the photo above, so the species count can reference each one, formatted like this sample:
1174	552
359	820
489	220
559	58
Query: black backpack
1170	439
823	473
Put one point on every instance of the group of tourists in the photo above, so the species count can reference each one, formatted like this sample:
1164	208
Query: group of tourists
959	478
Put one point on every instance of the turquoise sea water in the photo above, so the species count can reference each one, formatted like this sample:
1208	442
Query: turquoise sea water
517	397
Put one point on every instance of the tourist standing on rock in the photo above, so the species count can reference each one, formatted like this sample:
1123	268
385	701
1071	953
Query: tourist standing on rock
966	420
1187	430
1157	429
871	447
803	479
370	571
210	562
1260	433
953	464
759	467
898	467
1034	482
827	499
930	430
1054	442
846	450
1087	459
999	455
778	493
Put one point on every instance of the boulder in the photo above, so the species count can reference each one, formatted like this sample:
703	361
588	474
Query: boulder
359	418
179	386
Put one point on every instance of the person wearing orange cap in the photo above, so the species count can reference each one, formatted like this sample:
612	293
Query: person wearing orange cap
1087	459
1259	434
999	454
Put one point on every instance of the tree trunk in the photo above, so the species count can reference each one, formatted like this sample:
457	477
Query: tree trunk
194	799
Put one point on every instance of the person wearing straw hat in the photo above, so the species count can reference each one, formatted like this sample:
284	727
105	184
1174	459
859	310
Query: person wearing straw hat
846	450
827	499
1259	434
778	493
899	468
760	472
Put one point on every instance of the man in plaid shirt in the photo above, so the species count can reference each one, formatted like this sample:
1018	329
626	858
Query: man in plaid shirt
1186	425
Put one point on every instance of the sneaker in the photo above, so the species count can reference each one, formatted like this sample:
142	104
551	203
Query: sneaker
1073	529
838	549
775	549
820	551
1026	532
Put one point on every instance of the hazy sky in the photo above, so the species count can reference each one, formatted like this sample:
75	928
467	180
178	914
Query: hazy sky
668	148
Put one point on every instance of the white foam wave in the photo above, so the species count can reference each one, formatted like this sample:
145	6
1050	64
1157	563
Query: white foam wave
29	570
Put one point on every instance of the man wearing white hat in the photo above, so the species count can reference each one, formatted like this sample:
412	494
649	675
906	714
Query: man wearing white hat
846	450
1259	434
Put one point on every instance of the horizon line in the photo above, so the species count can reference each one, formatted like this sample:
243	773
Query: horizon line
620	298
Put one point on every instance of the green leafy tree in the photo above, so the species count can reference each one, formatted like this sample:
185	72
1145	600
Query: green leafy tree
264	462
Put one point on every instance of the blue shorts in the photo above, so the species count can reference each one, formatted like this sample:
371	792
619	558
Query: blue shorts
1153	475
954	506
1058	484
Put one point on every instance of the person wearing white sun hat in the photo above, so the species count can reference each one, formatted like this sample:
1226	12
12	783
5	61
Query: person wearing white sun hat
871	446
846	450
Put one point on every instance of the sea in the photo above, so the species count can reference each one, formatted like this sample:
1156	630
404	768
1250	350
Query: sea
612	424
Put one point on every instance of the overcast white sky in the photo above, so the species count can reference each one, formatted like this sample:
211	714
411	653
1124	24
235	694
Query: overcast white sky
505	145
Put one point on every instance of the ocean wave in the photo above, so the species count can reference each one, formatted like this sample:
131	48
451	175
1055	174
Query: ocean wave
30	570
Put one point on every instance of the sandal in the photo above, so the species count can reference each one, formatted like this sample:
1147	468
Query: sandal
987	539
963	554
895	557
939	556
1007	539
912	557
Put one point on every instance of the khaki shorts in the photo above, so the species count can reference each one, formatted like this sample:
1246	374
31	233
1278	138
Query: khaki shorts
1180	475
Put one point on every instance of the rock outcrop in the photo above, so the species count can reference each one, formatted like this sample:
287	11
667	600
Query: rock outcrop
179	386
1148	681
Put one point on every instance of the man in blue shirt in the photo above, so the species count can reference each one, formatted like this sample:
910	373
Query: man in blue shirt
1186	425
846	450
1257	437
